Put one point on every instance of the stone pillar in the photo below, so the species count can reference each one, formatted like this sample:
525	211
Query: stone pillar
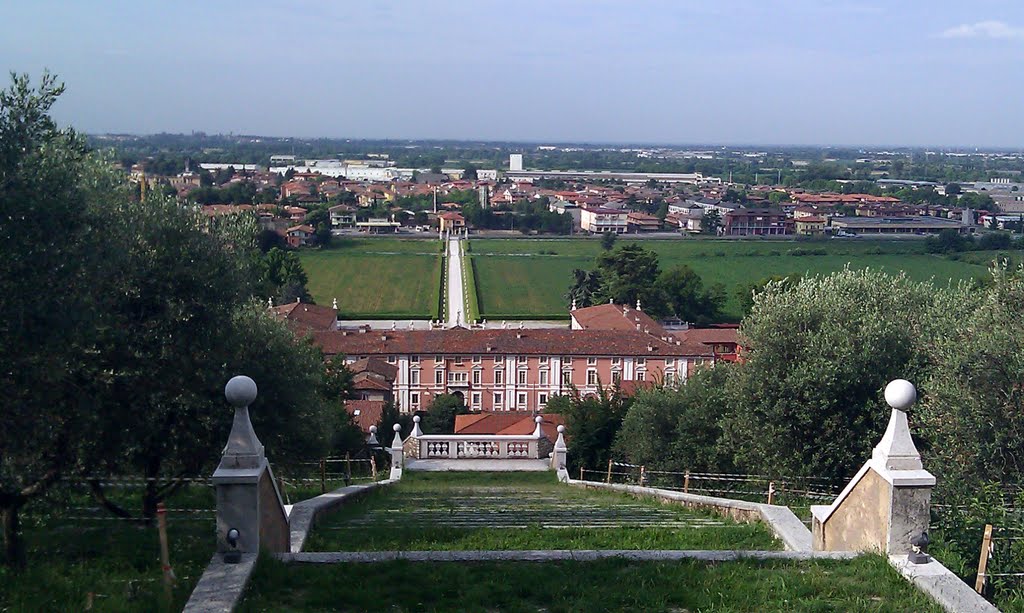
397	454
247	496
887	502
558	456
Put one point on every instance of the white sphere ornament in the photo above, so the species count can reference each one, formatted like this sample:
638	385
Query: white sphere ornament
560	429
416	419
240	391
396	428
373	429
538	419
900	394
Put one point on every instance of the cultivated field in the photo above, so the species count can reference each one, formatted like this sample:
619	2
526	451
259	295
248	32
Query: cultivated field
376	278
530	277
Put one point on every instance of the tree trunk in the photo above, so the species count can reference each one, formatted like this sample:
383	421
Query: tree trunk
14	551
100	495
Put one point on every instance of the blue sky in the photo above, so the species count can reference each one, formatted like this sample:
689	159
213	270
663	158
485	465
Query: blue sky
901	72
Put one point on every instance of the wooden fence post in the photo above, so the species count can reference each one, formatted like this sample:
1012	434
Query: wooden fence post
165	557
986	553
348	468
608	479
581	472
643	475
323	476
771	491
373	467
686	482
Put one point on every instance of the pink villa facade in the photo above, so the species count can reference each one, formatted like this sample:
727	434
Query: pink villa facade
517	370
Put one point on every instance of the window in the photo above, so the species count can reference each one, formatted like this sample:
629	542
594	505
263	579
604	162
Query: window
438	359
616	377
497	359
616	361
542	398
458	361
670	377
414	377
641	376
566	360
641	361
521	400
498	399
543	359
438	377
522	377
458	377
567	377
476	399
591	377
476	359
392	359
543	377
414	359
521	359
499	377
591	361
414	399
476	377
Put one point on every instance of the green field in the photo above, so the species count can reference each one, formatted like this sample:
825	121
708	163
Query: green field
530	277
374	278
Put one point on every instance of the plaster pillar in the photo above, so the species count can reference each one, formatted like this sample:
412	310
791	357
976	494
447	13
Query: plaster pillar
558	456
247	496
397	454
887	502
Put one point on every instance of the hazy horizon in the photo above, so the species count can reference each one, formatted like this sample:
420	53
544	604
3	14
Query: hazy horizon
726	73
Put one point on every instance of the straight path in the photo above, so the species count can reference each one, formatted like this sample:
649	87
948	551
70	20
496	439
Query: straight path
456	291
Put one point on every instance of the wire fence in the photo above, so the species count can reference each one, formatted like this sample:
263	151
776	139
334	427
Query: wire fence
772	489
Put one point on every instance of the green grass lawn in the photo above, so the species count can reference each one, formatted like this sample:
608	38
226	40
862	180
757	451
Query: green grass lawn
376	277
74	551
444	511
530	277
866	583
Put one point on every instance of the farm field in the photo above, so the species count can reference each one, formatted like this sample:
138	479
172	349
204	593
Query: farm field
374	278
530	277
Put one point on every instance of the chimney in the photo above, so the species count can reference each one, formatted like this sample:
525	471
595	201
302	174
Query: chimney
638	327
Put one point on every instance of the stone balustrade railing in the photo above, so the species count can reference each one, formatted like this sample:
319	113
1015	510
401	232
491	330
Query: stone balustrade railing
476	446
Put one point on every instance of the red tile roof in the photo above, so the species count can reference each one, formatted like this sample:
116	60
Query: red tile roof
307	316
615	317
459	341
366	413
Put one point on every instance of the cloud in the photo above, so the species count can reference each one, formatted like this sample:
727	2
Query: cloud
984	29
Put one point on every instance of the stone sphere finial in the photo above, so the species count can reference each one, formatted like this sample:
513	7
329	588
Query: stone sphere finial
240	391
538	419
397	428
561	429
373	429
900	394
415	419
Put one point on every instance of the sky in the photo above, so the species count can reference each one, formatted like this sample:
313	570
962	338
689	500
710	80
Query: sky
815	72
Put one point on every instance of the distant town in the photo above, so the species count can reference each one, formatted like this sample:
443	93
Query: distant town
723	193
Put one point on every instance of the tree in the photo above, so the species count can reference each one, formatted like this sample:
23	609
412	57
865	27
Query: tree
608	240
389	416
440	415
678	429
593	423
952	189
469	172
51	266
585	286
629	274
283	277
710	222
807	400
745	295
685	296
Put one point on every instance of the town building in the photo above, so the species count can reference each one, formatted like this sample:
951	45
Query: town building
449	221
300	236
642	222
810	226
896	225
517	369
598	220
757	222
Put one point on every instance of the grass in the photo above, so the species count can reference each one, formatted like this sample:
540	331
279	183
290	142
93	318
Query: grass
473	302
116	560
523	511
519	277
866	583
373	278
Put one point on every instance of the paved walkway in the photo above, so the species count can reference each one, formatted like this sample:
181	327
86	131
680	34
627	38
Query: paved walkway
456	291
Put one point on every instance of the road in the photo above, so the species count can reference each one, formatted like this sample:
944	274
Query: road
456	291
